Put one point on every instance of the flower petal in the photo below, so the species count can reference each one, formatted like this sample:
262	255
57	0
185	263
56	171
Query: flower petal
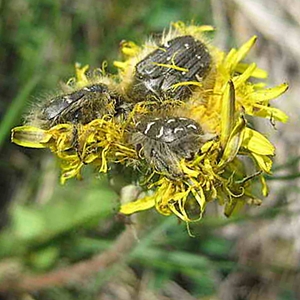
244	49
29	136
268	94
129	48
234	143
138	205
81	79
271	113
227	112
238	80
264	162
264	186
257	143
257	73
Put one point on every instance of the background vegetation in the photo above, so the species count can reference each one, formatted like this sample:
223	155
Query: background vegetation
64	242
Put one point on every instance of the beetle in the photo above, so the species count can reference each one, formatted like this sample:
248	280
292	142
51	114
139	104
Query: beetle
81	106
161	73
164	141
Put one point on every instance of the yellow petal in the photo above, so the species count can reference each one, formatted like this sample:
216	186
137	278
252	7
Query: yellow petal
194	83
29	136
244	49
268	94
71	173
120	65
257	73
271	113
227	112
264	162
238	80
257	143
179	210
234	142
129	48
259	85
204	28
200	197
190	172
229	60
264	189
80	75
235	56
180	214
138	205
182	27
171	66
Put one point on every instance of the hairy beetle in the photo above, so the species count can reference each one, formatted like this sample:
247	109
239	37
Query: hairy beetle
164	72
163	142
81	106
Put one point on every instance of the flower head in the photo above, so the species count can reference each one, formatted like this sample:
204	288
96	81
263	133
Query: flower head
221	106
212	168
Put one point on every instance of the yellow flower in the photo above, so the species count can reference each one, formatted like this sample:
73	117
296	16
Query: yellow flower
218	172
220	104
100	142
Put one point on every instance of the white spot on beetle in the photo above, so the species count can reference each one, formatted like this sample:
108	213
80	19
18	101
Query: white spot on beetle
149	125
68	99
178	129
148	71
192	126
170	121
199	78
161	132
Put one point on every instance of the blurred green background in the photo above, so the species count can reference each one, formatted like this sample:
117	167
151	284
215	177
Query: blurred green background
48	227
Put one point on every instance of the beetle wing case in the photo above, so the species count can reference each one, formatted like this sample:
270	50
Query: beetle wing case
161	73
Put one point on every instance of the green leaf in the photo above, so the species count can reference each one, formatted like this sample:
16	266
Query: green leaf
40	224
44	258
27	223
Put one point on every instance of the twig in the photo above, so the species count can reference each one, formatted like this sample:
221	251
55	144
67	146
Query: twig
77	272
